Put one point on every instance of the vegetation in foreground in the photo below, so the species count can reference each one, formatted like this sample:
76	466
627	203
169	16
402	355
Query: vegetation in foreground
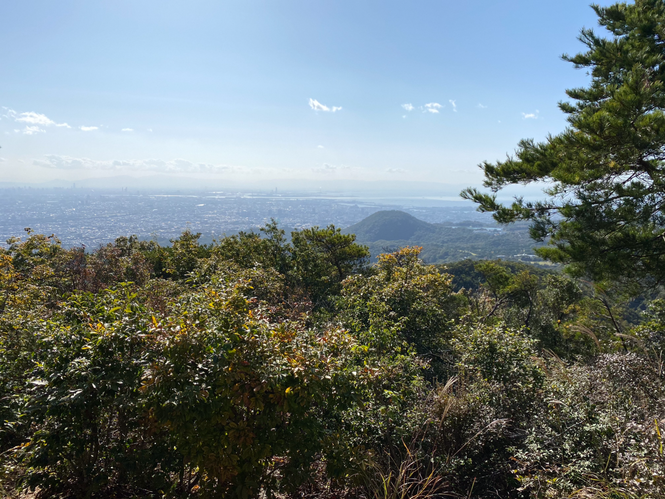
256	366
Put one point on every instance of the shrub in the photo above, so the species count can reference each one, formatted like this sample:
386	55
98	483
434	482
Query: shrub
599	431
92	434
404	304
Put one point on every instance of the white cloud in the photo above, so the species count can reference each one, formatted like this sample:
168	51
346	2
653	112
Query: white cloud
177	165
34	119
433	107
317	106
480	106
2	160
452	103
530	116
9	113
88	128
408	107
127	130
150	129
320	147
31	130
31	118
395	170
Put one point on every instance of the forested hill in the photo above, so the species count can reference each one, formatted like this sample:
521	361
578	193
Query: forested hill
443	243
390	225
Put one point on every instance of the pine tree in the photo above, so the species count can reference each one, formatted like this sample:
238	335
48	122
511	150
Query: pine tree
606	172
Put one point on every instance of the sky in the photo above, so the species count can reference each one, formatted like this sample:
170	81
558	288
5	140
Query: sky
263	93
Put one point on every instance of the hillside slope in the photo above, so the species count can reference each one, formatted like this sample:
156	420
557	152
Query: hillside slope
390	225
442	243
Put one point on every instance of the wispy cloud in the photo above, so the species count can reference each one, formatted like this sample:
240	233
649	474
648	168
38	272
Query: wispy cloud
530	116
31	130
433	107
480	106
89	128
127	130
317	106
320	147
150	129
31	118
178	165
34	119
453	103
395	170
408	107
9	113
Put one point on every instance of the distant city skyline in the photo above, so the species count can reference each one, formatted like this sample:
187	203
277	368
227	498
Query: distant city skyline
258	93
90	217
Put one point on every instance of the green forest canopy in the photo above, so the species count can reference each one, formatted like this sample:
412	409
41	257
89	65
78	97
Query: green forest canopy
261	366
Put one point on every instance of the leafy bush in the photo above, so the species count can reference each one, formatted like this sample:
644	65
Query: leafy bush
210	394
83	396
598	432
403	304
249	404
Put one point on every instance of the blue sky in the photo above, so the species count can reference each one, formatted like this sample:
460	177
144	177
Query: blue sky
237	91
